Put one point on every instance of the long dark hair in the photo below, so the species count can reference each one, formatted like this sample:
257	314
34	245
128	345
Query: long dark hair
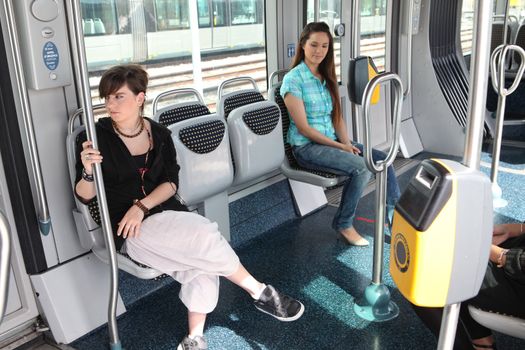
326	67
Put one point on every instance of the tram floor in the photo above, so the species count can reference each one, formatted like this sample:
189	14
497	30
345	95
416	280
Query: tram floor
306	259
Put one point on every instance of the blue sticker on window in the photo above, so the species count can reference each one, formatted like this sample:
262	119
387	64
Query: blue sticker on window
50	55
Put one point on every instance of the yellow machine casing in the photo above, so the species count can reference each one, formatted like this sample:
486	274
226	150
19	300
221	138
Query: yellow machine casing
441	234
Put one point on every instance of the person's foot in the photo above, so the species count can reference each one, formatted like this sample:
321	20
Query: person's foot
197	343
484	346
353	237
278	305
485	343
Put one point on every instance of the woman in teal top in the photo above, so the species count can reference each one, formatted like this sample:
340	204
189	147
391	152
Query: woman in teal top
317	130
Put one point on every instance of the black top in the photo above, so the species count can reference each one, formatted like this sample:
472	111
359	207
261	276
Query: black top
122	181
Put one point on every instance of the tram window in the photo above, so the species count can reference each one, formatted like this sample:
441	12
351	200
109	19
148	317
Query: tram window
467	25
172	14
244	12
330	13
104	17
373	28
220	13
203	9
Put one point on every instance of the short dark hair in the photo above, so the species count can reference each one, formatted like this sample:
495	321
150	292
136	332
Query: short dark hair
132	75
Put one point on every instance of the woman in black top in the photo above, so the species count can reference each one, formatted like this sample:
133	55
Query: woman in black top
140	172
502	290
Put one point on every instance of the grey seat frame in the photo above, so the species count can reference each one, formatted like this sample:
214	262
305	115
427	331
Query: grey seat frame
509	325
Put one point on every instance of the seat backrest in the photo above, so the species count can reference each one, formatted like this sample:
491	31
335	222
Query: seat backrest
227	102
179	112
99	26
256	140
203	153
236	99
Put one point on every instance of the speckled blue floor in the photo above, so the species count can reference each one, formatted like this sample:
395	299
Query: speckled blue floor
308	260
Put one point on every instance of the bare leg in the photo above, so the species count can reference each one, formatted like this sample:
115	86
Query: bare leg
196	323
243	279
353	237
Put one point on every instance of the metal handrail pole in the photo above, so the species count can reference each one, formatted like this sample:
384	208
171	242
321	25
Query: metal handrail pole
449	323
479	70
176	92
5	258
355	45
44	218
89	121
380	168
479	74
409	48
225	83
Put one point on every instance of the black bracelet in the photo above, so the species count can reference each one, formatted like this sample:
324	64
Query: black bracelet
86	176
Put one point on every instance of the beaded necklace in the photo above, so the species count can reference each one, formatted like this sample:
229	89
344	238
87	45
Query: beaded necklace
141	122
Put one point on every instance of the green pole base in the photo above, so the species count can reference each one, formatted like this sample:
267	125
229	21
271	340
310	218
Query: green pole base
116	346
375	305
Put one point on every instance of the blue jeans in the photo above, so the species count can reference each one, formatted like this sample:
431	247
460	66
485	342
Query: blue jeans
325	158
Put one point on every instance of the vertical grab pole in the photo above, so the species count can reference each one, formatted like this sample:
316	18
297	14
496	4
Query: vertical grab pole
5	258
376	304
44	218
81	63
498	58
476	112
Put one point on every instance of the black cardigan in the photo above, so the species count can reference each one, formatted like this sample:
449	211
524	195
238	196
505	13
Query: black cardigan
122	181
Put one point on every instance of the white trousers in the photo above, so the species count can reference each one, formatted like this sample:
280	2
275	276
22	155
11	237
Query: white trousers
190	248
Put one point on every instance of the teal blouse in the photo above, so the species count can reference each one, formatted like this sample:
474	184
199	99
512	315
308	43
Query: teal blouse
301	83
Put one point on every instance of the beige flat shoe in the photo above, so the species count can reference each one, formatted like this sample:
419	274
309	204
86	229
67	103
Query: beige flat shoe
355	241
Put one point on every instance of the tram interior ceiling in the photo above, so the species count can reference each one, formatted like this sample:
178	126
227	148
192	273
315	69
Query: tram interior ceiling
238	169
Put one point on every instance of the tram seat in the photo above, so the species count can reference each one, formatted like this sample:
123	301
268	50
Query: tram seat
289	167
509	325
255	131
89	26
181	111
99	26
87	218
203	153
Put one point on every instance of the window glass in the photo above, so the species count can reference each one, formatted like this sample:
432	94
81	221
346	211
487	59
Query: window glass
467	24
220	13
172	14
244	11
162	43
203	9
330	13
104	17
373	28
